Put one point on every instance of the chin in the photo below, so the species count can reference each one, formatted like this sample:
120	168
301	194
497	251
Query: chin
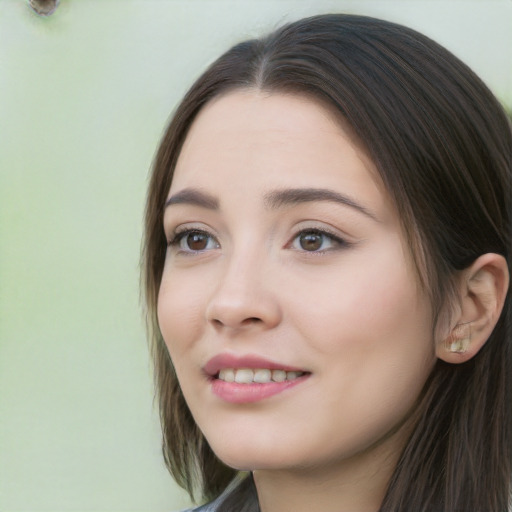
242	457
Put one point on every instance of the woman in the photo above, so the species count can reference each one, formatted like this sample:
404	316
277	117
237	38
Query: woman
326	265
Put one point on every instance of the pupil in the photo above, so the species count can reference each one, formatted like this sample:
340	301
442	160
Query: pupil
311	242
197	241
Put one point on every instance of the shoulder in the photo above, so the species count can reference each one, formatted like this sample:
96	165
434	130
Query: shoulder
240	495
213	506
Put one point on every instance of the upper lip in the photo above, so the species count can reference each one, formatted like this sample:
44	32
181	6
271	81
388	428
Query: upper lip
220	361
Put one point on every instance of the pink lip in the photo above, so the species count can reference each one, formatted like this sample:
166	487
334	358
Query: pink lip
236	393
246	393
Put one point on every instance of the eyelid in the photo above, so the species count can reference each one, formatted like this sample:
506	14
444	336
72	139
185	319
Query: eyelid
339	239
183	230
172	232
322	227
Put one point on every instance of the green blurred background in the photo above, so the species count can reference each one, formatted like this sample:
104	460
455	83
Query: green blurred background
84	97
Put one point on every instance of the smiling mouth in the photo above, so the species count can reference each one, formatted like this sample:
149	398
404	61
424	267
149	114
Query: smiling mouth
257	375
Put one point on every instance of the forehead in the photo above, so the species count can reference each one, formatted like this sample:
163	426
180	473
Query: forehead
273	140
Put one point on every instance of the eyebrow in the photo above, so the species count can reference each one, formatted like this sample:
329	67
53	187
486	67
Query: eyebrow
273	200
194	197
292	196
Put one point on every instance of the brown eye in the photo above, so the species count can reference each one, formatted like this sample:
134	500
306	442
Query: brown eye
316	240
310	241
191	241
196	241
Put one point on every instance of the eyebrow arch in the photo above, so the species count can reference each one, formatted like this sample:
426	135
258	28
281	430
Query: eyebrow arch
292	196
194	197
273	200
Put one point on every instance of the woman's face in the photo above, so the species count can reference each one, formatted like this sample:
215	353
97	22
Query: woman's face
288	300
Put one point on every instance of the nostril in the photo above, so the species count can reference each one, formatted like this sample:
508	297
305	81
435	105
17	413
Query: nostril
252	320
244	323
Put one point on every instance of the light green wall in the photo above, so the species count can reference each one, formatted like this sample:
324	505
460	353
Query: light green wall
84	96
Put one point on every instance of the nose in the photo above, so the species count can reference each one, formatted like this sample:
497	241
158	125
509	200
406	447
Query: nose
244	298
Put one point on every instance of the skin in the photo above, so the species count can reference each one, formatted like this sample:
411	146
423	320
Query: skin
346	308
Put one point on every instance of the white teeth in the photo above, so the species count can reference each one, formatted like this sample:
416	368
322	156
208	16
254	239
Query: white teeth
227	374
244	376
278	375
260	375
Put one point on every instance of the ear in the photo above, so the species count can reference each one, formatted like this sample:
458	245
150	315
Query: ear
482	291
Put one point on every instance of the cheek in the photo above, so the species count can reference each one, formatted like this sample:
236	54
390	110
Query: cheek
373	297
179	312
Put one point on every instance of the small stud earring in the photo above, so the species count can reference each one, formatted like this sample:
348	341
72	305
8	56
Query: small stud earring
459	339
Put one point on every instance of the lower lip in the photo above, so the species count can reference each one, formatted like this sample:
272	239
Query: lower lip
236	393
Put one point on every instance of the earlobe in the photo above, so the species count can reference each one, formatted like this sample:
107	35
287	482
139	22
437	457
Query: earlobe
459	339
482	291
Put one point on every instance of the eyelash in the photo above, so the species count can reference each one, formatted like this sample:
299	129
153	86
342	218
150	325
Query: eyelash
181	235
337	241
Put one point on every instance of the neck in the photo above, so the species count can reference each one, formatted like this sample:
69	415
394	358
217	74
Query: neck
355	485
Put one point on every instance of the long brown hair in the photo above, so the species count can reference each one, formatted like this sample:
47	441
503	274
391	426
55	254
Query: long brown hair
443	147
